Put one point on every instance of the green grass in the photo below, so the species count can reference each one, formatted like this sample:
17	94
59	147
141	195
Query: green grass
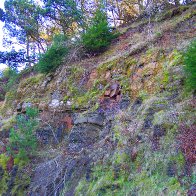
190	67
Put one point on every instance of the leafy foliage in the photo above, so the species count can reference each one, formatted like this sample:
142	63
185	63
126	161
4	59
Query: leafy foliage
2	88
15	58
2	15
22	139
190	66
98	35
3	160
7	80
23	21
54	55
65	12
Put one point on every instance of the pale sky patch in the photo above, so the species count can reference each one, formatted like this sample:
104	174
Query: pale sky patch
2	66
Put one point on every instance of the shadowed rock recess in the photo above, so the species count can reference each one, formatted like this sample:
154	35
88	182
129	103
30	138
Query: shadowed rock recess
119	123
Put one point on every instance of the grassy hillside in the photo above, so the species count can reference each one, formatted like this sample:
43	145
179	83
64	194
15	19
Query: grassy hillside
118	123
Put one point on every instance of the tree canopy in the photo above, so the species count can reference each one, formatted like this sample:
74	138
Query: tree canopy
15	58
33	24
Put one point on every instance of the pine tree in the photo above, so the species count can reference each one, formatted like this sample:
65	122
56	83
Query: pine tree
98	35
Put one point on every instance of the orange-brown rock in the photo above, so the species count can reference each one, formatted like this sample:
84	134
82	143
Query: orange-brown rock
10	164
93	76
69	122
43	106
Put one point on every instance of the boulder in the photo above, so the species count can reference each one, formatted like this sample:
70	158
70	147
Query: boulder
107	93
113	91
107	75
55	103
46	82
93	118
81	120
96	119
68	121
86	131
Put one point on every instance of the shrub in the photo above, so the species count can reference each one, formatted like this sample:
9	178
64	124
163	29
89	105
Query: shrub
53	57
22	139
3	82
3	160
190	66
7	81
98	35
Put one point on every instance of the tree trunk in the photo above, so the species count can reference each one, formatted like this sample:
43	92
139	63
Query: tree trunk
140	3
28	56
42	48
119	11
114	18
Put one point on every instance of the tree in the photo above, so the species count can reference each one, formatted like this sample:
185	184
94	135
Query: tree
8	79
53	57
23	21
23	139
13	59
64	13
2	15
98	35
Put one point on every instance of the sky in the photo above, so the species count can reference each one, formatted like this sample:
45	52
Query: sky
2	66
1	25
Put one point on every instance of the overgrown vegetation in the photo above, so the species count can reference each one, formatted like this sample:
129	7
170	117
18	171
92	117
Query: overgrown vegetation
22	140
190	66
136	172
140	161
16	58
126	177
53	57
98	35
82	97
16	152
70	17
7	80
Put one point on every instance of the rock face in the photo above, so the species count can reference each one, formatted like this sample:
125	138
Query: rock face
50	177
49	135
86	131
82	136
47	177
97	138
112	121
